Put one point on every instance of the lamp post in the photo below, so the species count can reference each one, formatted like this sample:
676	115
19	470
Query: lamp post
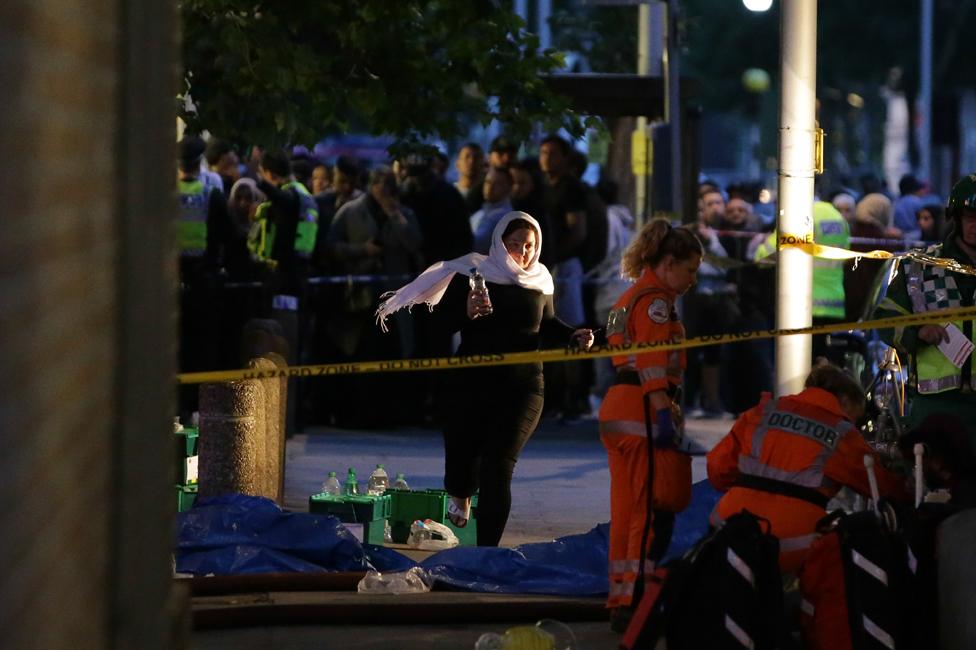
794	272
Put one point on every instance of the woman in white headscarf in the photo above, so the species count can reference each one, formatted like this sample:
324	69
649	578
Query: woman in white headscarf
489	413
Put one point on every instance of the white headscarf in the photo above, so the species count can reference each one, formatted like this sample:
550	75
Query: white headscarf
246	182
497	267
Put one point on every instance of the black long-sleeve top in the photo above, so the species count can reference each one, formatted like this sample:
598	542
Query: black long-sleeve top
522	320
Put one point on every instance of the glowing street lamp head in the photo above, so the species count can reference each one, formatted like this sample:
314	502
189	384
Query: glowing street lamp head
758	5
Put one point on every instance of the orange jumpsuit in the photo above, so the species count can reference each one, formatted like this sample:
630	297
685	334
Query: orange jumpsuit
784	455
643	314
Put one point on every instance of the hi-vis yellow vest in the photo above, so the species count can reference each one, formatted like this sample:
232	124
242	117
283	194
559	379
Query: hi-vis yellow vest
829	229
931	288
262	236
194	203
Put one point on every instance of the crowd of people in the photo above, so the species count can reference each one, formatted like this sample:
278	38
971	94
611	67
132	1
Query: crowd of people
733	294
376	227
313	244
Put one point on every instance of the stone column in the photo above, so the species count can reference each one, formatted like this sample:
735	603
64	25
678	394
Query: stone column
274	394
231	443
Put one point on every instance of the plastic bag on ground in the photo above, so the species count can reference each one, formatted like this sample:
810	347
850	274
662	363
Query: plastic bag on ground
411	581
429	535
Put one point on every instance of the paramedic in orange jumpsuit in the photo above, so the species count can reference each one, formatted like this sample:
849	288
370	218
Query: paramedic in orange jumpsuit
785	458
639	407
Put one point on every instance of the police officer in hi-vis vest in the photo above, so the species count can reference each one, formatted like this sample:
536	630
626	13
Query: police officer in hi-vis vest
829	229
285	228
203	219
939	384
203	227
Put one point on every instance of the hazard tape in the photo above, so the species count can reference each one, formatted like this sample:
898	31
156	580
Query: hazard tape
563	354
834	253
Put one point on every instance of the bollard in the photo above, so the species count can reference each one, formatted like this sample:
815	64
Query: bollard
956	540
229	435
271	449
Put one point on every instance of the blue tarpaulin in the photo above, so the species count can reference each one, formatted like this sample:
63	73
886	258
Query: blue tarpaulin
573	565
235	534
239	534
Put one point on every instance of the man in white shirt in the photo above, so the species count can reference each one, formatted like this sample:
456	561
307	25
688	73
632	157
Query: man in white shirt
497	190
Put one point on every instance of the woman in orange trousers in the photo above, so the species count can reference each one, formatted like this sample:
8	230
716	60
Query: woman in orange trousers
640	423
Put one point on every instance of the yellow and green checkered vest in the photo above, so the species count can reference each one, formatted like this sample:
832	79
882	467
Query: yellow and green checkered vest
931	288
262	236
194	203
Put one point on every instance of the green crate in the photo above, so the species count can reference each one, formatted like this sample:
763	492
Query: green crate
189	436
370	511
373	532
184	447
359	508
185	496
411	505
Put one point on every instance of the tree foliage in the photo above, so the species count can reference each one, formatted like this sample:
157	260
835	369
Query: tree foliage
606	35
277	72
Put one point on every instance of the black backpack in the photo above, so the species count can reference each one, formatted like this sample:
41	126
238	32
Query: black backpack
879	582
725	593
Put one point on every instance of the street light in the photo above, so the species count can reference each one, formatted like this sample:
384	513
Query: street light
758	5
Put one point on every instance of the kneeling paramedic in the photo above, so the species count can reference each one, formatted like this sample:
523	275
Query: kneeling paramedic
785	458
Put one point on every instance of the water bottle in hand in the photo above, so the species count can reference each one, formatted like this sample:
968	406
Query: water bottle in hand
401	482
477	283
378	481
352	484
332	485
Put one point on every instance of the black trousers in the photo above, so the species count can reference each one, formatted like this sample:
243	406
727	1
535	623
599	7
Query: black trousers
490	415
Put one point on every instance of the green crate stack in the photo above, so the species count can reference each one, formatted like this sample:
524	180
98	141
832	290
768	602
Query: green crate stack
368	510
410	505
185	458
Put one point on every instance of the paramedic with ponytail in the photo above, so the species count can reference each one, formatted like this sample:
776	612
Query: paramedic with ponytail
490	412
640	423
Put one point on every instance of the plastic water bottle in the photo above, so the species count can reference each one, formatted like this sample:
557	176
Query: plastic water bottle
418	533
401	482
352	484
477	283
332	485
378	481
